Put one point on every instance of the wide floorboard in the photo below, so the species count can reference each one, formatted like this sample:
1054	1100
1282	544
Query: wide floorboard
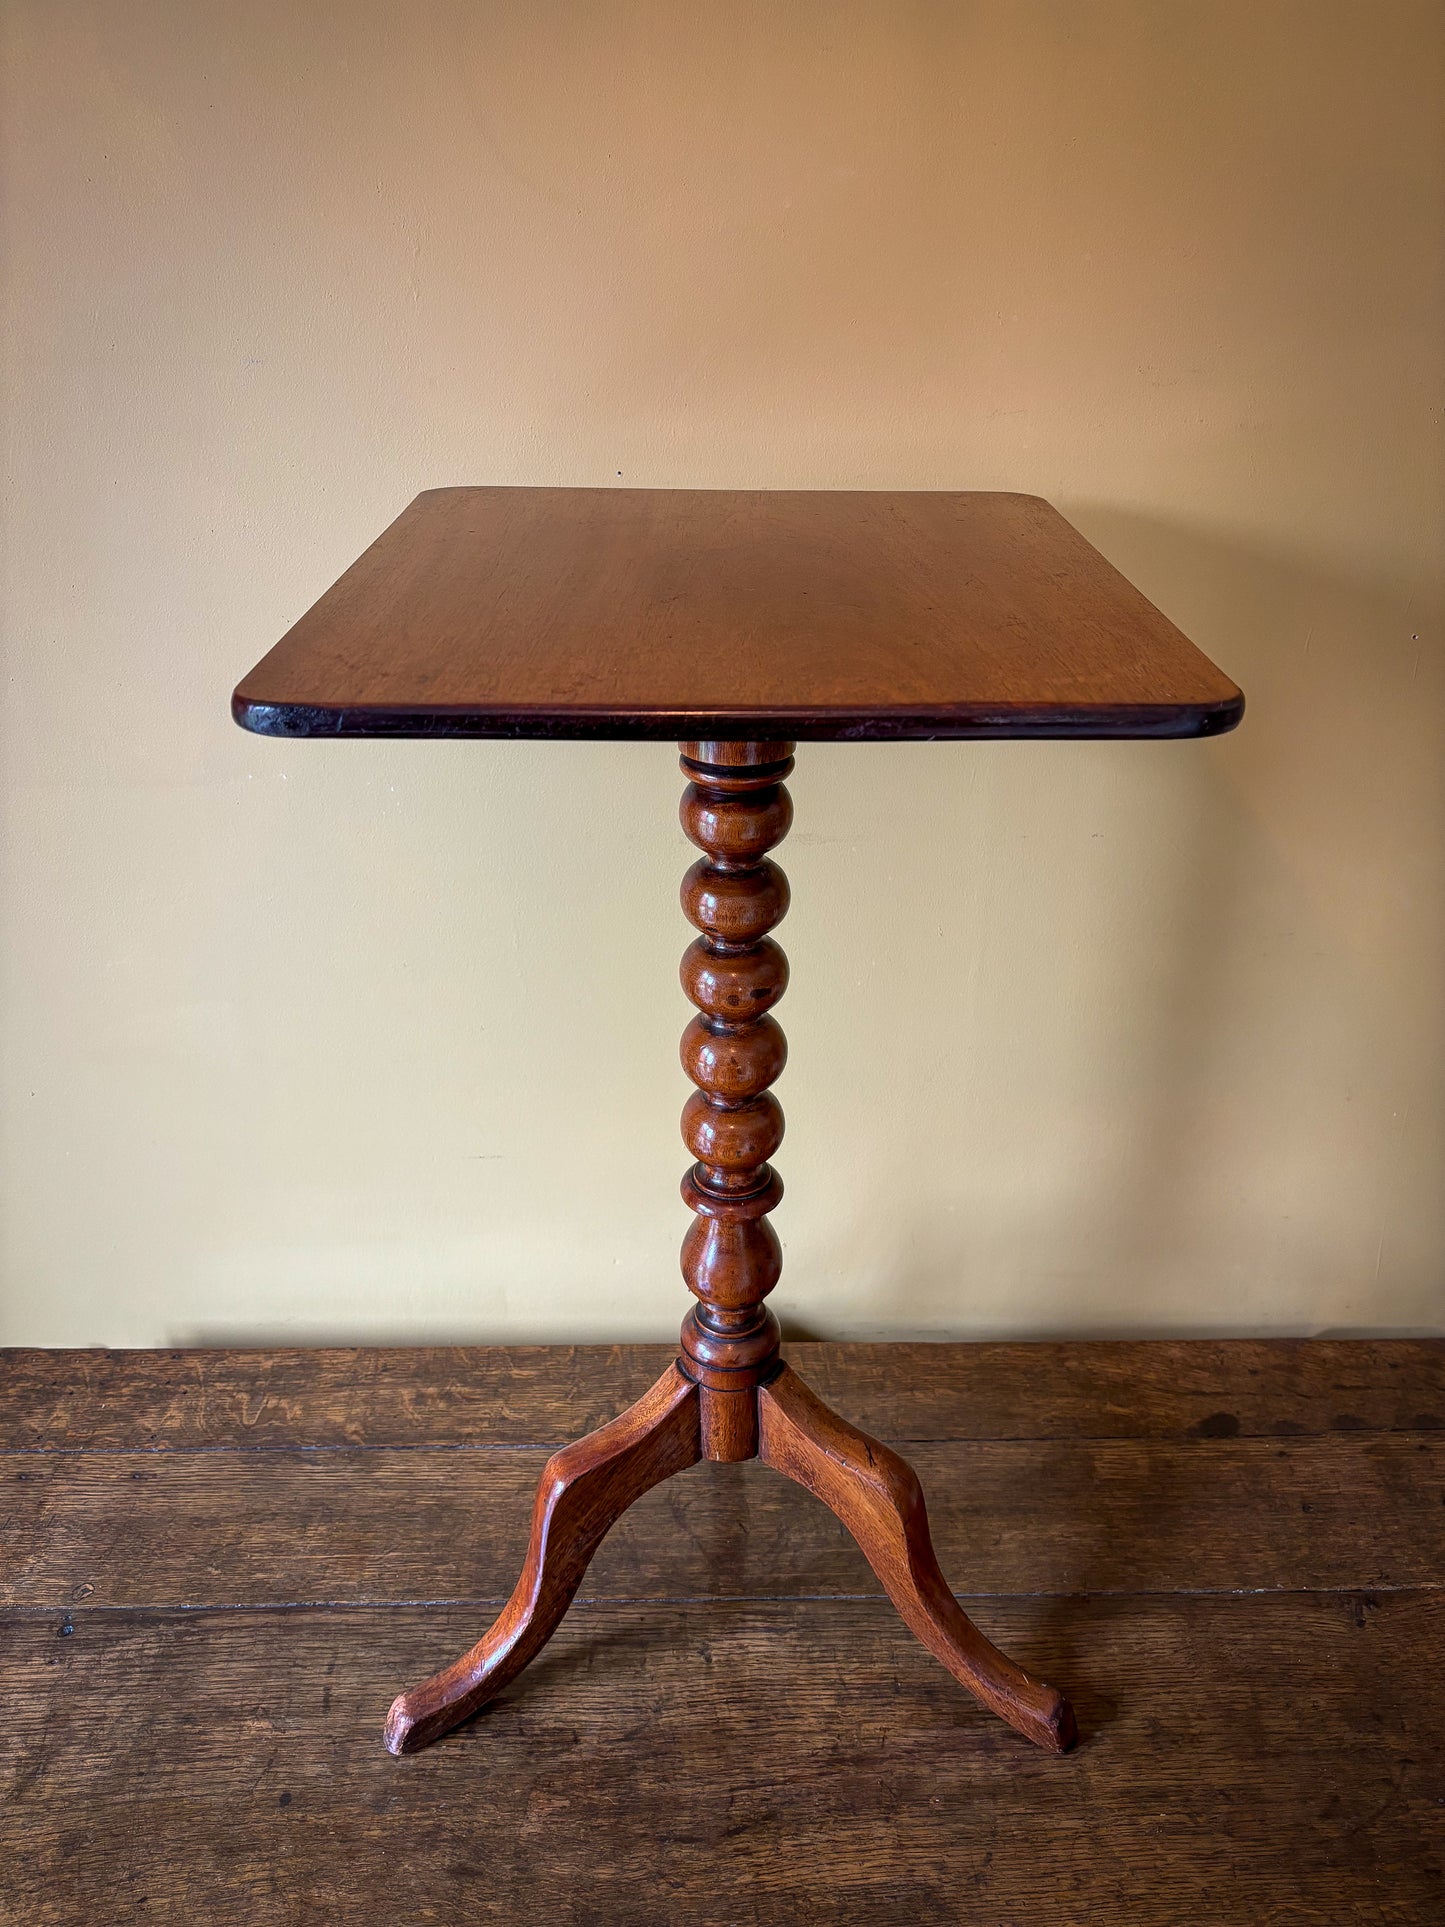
218	1568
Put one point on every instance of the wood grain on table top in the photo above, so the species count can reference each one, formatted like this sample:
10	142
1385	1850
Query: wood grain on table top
667	613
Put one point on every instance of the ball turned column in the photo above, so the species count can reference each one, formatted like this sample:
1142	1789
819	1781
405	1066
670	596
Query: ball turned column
734	809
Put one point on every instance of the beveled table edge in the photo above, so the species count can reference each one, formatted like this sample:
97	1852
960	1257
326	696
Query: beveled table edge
575	723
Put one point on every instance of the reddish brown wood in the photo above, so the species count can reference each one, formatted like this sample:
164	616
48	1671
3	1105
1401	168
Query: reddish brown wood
729	1397
738	621
585	1489
735	809
734	614
877	1496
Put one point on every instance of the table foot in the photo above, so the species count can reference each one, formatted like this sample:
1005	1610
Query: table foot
584	1489
877	1496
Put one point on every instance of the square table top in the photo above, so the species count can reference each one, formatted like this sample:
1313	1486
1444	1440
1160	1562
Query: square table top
733	613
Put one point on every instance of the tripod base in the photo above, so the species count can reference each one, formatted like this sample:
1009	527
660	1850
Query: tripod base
585	1488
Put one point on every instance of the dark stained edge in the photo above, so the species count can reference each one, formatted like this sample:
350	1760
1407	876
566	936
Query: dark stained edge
891	724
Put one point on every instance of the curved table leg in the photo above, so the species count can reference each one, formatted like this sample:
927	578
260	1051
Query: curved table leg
585	1488
878	1498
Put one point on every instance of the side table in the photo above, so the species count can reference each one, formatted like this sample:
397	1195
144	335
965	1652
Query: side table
739	623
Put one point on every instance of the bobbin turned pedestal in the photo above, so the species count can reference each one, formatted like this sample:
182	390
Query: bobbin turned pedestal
735	809
732	621
729	1396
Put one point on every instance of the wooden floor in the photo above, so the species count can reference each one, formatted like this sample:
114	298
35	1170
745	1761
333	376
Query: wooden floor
219	1566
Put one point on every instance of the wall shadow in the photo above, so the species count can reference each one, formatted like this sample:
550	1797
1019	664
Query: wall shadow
1286	1035
1288	1003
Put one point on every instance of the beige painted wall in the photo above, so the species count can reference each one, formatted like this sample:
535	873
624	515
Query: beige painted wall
351	1039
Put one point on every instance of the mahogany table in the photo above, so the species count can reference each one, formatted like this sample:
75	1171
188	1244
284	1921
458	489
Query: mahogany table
738	622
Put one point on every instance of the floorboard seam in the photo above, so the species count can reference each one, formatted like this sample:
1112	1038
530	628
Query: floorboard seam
1281	1439
600	1602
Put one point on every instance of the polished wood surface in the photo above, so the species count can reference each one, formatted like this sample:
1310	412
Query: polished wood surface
584	1490
728	1398
735	808
878	1497
693	613
218	1564
601	612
